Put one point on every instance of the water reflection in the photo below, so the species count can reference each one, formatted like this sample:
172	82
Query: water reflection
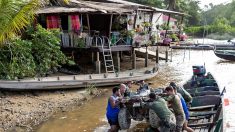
91	117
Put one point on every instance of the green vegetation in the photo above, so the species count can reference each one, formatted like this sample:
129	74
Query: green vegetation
15	15
217	22
189	7
29	58
34	56
91	89
174	37
219	29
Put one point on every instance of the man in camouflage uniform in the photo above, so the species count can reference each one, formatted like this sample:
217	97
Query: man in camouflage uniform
186	95
175	104
167	118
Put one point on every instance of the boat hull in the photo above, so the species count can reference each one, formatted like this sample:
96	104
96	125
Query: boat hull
76	81
224	55
205	92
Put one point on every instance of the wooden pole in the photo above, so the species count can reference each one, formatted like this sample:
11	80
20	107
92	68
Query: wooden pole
88	24
166	55
110	26
98	69
146	57
136	15
92	57
157	55
121	56
133	59
118	62
171	54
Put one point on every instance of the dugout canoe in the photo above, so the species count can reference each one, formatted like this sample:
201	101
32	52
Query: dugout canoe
206	108
78	81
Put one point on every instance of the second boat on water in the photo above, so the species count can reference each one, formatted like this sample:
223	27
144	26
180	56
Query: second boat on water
225	54
206	106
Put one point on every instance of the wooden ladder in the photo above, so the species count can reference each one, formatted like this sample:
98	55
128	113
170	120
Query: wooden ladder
107	54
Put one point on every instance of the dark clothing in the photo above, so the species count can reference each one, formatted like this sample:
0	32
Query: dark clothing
112	121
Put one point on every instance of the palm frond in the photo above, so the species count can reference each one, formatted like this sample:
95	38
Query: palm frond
15	16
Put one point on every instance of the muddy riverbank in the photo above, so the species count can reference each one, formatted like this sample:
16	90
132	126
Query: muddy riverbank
20	111
91	117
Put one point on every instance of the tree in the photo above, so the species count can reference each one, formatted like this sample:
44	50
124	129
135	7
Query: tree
194	17
15	15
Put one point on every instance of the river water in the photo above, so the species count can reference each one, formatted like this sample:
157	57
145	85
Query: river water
91	116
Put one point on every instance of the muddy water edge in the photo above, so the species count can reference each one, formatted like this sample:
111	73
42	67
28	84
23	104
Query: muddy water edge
91	116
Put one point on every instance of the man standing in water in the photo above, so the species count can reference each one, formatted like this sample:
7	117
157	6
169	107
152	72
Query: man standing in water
175	103
113	109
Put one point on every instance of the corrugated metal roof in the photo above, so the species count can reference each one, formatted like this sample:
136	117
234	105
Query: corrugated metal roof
47	10
103	6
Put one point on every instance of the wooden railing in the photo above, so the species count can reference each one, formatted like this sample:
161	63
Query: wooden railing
71	40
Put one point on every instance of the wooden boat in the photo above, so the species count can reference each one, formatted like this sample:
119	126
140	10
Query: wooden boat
76	81
206	106
225	54
194	47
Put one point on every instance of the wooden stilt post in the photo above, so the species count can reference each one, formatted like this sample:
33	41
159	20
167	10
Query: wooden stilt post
146	57
98	69
92	57
166	55
121	56
157	55
133	59
118	62
171	54
88	24
110	26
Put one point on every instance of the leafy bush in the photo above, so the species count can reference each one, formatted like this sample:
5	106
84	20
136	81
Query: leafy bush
232	31
46	50
174	37
35	56
16	60
195	31
220	31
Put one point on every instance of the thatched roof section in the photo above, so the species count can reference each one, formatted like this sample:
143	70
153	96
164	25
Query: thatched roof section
102	6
